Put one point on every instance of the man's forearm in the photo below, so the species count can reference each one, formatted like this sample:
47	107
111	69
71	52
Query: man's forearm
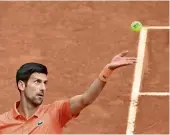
97	86
93	92
81	101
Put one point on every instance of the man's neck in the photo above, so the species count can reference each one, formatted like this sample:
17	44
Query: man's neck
26	109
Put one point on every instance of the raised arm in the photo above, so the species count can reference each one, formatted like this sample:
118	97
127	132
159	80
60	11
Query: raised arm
79	102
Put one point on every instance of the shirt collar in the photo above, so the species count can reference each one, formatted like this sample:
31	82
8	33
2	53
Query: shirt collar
15	112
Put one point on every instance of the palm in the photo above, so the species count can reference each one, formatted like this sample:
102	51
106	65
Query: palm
120	60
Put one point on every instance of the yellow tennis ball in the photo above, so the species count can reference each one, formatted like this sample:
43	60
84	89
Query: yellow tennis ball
136	26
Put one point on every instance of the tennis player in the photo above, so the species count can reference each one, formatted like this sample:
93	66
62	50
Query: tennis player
29	116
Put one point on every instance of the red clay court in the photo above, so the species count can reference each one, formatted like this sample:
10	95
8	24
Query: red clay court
75	40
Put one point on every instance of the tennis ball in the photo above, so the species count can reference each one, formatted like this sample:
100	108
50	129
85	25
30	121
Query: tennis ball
136	26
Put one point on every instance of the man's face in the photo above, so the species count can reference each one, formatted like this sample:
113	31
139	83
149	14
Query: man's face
35	88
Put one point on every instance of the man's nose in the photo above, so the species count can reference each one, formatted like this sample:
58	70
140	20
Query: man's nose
43	87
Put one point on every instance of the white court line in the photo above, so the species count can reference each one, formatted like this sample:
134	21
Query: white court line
156	27
154	93
136	82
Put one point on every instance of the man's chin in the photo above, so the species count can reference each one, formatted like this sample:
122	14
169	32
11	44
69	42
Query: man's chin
38	103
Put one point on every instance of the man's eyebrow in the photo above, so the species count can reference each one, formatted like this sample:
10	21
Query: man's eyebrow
35	78
40	79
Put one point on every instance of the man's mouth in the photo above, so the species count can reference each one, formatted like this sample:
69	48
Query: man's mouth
40	94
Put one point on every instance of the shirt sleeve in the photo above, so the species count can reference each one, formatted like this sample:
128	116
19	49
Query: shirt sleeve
64	111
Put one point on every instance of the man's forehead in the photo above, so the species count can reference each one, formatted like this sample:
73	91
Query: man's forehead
40	76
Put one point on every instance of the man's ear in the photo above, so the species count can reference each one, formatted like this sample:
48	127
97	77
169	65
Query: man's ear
21	85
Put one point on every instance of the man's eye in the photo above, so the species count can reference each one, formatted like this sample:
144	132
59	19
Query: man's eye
37	81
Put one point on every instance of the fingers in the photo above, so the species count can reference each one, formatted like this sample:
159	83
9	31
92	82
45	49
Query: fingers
130	61
124	53
130	58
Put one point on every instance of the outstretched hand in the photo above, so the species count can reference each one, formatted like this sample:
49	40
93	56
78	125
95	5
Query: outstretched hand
120	60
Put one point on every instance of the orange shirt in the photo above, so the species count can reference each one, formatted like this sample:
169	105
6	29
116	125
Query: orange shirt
48	119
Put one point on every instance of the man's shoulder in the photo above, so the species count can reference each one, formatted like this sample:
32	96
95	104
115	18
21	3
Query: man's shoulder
55	104
61	102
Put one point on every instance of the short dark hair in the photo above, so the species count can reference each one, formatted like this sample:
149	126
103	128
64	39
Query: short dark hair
25	71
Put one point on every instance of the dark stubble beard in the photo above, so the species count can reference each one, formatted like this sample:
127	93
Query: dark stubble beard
35	100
